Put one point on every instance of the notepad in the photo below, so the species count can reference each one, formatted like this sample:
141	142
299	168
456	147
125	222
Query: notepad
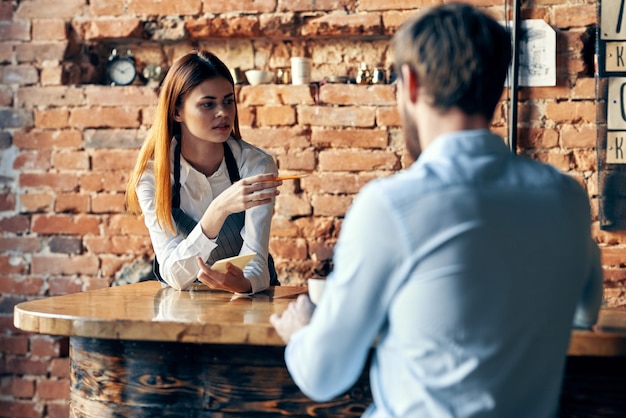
239	260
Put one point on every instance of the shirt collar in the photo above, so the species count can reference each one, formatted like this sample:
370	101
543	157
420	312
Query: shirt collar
470	143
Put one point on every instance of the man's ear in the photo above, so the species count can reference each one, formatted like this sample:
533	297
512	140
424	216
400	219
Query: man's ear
409	77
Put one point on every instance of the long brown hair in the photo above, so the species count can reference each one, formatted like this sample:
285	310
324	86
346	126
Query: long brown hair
185	74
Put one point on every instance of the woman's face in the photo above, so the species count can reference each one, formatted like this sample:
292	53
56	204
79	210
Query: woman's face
208	112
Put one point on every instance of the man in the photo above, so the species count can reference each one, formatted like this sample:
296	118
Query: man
466	271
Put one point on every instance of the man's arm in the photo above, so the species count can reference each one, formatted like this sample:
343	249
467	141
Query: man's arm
591	299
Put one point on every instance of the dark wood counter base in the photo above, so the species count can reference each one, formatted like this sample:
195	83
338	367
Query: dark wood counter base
114	378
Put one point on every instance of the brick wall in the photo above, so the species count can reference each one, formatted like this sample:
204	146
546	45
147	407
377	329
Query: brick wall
68	143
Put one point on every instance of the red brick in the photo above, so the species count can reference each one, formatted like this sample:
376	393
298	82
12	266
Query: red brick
368	5
336	24
318	5
338	183
388	117
106	7
117	27
6	11
321	249
41	51
23	286
56	181
349	116
15	31
579	136
51	118
117	244
112	160
331	205
31	160
268	138
38	139
537	138
19	74
15	224
104	117
349	94
283	227
52	76
108	203
58	409
295	249
129	96
357	160
71	203
54	96
64	285
393	19
347	138
292	205
18	244
22	409
50	9
276	115
53	389
297	160
14	344
163	7
49	346
70	160
274	94
7	201
49	30
571	112
125	225
61	264
227	6
103	180
224	27
20	387
60	367
65	224
24	366
575	15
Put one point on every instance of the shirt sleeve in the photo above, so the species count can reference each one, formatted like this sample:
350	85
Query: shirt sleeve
256	232
176	255
326	357
589	304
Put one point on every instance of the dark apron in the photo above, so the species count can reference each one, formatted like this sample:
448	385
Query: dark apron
229	240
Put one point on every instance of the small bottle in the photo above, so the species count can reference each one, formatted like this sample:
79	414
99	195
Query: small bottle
363	76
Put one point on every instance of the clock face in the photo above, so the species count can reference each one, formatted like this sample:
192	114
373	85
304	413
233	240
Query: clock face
122	71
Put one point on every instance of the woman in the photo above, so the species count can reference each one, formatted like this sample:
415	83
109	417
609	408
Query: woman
204	192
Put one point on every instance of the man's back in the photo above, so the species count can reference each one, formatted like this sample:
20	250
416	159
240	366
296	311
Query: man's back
499	253
467	269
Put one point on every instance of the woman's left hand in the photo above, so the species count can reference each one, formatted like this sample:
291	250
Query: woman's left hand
231	281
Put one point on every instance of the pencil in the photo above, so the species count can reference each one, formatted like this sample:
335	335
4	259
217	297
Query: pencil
294	177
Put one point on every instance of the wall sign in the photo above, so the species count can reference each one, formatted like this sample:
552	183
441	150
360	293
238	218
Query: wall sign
611	138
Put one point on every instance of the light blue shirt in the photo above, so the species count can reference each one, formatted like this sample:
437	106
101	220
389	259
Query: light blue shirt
464	272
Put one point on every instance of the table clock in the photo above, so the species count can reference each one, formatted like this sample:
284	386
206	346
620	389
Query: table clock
121	70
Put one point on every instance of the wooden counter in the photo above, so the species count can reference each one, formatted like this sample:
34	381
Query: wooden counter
142	350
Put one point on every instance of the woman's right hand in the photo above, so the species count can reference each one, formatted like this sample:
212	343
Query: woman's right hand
244	194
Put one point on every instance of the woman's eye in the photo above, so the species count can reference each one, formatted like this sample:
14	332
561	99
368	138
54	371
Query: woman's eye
208	105
229	101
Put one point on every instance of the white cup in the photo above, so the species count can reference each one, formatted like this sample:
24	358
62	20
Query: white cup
300	70
316	288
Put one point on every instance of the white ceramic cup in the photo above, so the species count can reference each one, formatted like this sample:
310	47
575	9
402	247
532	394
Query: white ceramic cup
316	288
300	70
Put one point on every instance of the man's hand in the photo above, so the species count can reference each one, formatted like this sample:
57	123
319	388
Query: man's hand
296	316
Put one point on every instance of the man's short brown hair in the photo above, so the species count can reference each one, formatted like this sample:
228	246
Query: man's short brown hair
460	55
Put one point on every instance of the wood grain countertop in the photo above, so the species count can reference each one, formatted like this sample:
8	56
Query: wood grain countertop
149	312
